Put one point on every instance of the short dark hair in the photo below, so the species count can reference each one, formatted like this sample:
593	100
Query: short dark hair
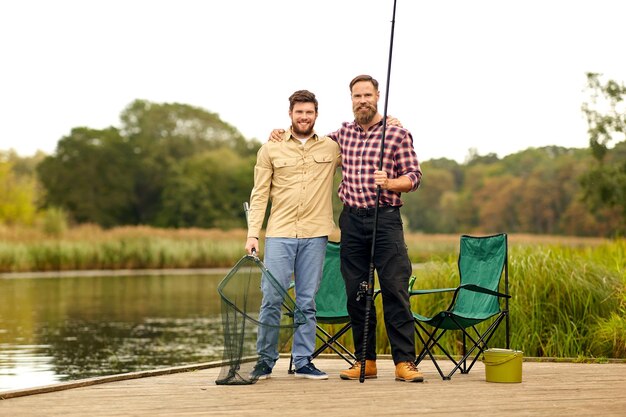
363	77
302	96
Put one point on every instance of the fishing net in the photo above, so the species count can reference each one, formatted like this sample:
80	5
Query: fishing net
244	327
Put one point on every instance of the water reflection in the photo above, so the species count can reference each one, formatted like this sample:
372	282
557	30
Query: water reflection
57	329
25	366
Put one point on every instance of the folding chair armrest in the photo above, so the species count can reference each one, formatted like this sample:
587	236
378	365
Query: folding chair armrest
477	288
427	291
431	291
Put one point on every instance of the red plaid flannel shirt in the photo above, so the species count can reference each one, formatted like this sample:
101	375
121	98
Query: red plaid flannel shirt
360	156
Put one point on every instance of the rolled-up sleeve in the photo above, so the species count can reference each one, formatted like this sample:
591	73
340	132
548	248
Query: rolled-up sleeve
407	162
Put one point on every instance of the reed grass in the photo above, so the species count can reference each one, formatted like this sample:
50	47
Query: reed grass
560	296
91	248
568	300
569	294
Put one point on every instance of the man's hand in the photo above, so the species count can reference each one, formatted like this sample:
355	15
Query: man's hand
392	121
380	179
276	135
402	184
252	246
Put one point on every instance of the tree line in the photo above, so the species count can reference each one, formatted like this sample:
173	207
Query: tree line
174	165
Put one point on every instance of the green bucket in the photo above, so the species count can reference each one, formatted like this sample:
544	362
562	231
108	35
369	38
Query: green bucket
503	365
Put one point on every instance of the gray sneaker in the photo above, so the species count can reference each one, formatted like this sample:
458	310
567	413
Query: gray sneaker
309	371
261	371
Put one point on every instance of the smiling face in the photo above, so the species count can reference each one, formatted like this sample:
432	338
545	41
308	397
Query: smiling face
303	117
364	102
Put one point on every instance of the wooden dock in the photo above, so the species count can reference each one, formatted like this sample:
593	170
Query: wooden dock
548	389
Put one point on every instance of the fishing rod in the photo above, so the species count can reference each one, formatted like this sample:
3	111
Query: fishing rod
369	298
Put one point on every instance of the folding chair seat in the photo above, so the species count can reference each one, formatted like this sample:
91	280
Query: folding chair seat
331	303
482	262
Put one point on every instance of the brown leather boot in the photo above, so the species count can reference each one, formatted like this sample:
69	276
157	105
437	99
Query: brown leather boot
407	371
355	370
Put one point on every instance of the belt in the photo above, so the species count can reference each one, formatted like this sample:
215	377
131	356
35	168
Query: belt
369	211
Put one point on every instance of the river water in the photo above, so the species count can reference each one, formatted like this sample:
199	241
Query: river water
56	329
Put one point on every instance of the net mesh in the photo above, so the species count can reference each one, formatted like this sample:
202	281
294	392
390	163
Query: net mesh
241	297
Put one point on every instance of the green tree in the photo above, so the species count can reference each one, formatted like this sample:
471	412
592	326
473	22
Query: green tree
431	209
91	176
207	190
119	176
162	136
549	187
17	195
528	191
24	166
605	184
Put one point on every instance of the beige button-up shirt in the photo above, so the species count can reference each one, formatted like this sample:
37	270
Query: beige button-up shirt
298	180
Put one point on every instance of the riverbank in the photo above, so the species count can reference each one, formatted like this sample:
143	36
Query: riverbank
89	247
114	272
133	272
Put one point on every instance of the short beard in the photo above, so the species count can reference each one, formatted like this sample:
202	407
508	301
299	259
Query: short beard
367	117
294	129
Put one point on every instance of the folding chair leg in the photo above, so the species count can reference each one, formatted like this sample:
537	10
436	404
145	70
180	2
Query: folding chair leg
463	367
427	346
433	340
332	341
480	344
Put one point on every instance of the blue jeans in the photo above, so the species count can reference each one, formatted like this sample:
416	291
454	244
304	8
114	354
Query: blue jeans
302	259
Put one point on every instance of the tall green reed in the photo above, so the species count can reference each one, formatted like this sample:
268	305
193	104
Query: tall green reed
134	252
569	294
567	302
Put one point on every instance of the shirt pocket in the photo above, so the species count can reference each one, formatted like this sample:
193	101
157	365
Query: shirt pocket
284	172
284	163
323	158
322	167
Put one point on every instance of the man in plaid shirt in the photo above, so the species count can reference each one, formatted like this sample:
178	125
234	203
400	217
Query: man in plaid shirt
360	143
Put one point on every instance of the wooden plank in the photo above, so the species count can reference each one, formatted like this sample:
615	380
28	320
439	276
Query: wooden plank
548	389
105	379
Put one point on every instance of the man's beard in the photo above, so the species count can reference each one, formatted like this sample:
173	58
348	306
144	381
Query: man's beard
364	117
297	131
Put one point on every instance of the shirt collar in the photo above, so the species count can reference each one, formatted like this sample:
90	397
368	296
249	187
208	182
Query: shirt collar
358	126
289	135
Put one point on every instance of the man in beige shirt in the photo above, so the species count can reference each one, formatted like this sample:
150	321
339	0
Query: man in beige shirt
296	175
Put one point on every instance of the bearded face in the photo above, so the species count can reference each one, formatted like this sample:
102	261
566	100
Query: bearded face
364	112
303	118
302	129
364	102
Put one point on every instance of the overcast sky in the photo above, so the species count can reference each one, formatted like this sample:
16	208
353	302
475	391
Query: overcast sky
499	76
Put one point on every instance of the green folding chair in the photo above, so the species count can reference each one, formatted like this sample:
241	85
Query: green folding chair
331	303
482	262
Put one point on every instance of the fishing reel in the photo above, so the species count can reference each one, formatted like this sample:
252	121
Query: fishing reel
363	290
